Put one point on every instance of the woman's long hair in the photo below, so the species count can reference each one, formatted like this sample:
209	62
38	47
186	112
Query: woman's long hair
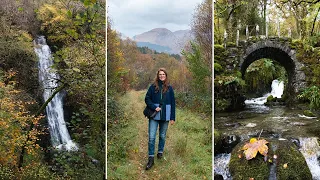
165	84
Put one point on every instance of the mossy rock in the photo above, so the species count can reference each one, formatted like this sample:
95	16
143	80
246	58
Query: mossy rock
270	98
308	113
287	153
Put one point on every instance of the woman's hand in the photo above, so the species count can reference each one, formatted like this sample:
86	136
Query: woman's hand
171	122
158	109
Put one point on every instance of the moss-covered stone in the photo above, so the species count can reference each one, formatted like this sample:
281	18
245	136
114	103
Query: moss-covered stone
297	167
242	169
308	113
270	98
286	152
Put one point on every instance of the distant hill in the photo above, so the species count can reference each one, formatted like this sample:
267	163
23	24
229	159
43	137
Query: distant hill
163	37
154	47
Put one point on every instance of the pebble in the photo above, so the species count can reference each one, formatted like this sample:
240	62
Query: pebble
251	125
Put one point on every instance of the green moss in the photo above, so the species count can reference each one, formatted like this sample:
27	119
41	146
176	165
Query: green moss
231	44
270	98
308	113
257	168
297	166
221	104
218	47
217	68
242	169
217	139
220	54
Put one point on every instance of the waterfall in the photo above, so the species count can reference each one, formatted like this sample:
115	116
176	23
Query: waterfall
310	149
48	78
277	91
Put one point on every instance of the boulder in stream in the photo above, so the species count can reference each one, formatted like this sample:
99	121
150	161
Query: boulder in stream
283	161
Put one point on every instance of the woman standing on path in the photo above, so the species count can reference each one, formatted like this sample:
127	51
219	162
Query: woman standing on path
160	97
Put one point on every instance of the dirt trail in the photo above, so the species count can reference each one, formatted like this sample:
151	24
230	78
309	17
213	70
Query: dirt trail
138	157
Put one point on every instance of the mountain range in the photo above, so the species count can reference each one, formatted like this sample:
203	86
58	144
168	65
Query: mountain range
163	40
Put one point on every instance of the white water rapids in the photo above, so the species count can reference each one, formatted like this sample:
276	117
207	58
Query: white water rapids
221	165
48	78
310	149
277	91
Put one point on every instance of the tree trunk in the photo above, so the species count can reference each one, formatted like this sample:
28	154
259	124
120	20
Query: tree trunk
264	17
314	21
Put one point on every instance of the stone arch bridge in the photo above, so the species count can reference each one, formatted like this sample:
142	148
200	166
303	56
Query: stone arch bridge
277	49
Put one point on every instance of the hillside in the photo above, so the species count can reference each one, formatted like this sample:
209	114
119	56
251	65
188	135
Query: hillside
164	37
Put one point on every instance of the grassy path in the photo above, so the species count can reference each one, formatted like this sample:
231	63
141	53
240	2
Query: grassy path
187	152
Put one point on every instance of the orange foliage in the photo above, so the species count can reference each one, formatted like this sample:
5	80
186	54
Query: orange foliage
14	122
255	146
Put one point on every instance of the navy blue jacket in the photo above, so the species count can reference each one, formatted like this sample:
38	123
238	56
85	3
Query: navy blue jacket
168	109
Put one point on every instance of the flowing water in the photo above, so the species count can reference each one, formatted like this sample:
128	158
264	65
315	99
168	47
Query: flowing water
48	78
277	122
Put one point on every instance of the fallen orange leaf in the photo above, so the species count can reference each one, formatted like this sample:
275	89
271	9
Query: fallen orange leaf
254	146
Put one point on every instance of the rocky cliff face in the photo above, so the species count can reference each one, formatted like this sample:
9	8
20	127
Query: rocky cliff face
164	37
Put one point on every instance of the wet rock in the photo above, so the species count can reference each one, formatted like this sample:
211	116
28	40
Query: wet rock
218	177
251	125
226	144
295	142
308	113
234	125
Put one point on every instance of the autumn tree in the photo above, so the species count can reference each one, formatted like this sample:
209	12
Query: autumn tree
15	118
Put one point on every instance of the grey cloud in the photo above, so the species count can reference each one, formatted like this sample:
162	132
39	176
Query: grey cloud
132	17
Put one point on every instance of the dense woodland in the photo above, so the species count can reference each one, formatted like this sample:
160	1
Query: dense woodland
297	18
75	32
131	68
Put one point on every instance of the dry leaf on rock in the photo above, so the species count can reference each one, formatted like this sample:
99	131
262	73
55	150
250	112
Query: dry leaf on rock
254	146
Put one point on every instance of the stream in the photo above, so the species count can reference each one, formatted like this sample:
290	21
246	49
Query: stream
277	122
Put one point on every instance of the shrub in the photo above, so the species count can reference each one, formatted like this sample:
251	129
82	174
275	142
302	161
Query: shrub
312	94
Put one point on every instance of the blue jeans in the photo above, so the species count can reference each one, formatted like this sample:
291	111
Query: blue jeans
153	127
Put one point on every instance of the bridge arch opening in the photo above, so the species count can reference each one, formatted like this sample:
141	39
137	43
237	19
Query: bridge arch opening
275	54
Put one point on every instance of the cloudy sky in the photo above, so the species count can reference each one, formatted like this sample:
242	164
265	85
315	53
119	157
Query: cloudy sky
133	17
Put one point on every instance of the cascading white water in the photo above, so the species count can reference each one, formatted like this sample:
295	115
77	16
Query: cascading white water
276	91
310	149
60	137
221	165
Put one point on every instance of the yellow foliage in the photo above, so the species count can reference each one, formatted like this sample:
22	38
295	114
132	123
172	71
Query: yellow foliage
14	120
